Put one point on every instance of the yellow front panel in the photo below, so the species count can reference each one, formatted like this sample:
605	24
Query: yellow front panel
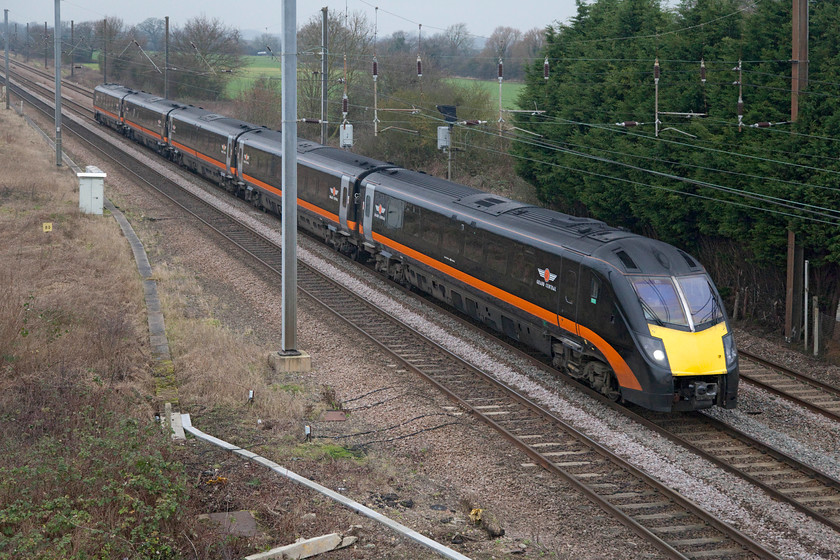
693	353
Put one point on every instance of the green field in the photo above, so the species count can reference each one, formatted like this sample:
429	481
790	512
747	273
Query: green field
510	90
259	66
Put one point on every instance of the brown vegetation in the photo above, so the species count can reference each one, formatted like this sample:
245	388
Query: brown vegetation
85	471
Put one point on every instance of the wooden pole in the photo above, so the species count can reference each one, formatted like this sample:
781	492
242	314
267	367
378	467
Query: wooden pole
799	57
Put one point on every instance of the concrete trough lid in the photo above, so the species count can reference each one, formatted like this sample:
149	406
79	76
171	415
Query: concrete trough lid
305	548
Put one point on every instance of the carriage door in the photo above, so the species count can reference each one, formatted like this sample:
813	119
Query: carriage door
368	209
569	292
344	203
229	155
240	160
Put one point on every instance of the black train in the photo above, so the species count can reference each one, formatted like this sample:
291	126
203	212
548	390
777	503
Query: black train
634	318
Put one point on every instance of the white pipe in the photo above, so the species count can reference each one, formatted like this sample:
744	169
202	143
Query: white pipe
355	506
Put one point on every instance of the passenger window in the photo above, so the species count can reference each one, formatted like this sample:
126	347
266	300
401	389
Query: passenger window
473	245
453	238
432	229
522	265
594	288
394	217
495	257
411	220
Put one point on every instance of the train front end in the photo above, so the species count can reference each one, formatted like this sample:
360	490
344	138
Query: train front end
688	348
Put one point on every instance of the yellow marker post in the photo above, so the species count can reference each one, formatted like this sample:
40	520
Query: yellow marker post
47	227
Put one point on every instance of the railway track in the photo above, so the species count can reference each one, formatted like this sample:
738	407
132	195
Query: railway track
805	391
785	478
673	524
45	83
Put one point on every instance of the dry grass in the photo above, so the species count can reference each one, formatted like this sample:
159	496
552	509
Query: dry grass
214	366
74	384
84	470
70	296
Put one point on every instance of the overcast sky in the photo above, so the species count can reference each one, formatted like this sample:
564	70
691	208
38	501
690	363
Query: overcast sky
481	16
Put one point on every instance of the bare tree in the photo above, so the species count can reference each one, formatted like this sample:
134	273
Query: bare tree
265	42
260	103
398	42
349	63
205	53
153	30
458	38
524	51
126	62
498	46
501	41
85	41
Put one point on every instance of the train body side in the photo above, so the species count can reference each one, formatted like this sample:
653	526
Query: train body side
146	117
107	104
634	318
205	142
554	282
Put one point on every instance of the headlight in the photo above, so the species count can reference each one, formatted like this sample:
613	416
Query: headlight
654	348
729	350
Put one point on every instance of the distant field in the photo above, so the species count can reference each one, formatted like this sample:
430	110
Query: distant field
259	66
510	90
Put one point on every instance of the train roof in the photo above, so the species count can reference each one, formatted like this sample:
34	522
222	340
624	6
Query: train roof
152	102
206	120
265	139
545	229
336	161
113	89
542	228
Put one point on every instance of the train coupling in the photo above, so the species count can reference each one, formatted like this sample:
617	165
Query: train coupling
700	394
695	395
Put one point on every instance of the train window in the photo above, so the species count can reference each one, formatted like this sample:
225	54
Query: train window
432	229
523	265
453	238
660	301
411	220
473	244
368	206
495	257
594	289
700	297
394	217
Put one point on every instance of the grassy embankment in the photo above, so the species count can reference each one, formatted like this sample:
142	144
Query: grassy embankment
85	471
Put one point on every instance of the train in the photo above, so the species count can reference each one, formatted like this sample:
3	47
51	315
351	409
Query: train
636	319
